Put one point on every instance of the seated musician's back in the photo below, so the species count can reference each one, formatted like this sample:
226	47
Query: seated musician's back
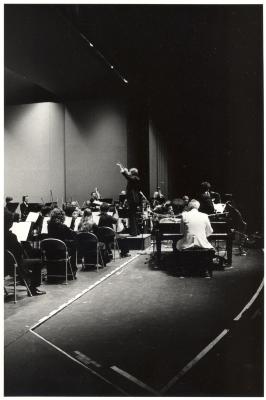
28	267
86	224
56	227
196	227
57	230
107	220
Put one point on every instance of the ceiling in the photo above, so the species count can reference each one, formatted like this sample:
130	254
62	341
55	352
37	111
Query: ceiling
189	52
18	88
156	45
43	50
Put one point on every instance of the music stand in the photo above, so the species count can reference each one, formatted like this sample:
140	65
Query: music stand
22	230
51	204
34	207
32	217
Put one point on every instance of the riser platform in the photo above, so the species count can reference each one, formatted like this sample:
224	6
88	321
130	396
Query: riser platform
139	242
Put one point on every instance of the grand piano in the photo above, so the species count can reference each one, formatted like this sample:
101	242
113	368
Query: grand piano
171	230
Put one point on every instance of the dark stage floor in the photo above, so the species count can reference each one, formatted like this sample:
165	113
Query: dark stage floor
142	331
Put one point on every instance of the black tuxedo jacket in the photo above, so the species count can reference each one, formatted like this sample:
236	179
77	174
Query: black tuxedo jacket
133	188
24	209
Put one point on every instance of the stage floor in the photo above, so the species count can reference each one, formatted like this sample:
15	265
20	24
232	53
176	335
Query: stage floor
143	331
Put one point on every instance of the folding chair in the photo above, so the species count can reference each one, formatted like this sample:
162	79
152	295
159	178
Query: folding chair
88	249
56	259
15	272
107	235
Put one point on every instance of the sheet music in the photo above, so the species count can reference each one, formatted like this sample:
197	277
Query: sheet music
219	207
21	230
32	216
96	217
68	221
77	221
45	225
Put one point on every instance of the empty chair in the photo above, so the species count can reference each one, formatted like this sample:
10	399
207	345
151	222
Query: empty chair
89	250
56	259
12	268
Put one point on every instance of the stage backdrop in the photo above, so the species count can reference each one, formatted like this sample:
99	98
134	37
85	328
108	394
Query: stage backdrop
95	140
34	151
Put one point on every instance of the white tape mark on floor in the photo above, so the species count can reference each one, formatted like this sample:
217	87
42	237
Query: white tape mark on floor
134	380
60	308
85	359
194	361
250	302
210	346
80	363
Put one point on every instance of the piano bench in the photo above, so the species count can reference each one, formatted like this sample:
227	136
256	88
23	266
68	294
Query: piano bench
195	260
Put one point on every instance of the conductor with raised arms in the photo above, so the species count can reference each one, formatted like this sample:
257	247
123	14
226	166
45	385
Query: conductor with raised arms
133	196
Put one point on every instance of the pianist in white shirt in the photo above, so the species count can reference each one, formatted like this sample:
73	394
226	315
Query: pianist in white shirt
196	227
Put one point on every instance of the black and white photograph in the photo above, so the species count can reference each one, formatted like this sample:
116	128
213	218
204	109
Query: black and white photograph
133	247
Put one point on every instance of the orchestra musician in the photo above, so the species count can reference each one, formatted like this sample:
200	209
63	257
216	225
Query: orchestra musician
8	200
158	197
57	230
163	212
133	196
109	220
122	199
24	207
206	198
96	195
31	267
178	205
8	207
86	204
196	228
165	209
185	199
46	211
75	204
86	224
95	202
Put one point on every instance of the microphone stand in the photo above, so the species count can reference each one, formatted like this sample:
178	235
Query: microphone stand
143	251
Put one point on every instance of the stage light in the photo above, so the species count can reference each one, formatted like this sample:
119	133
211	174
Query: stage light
102	56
